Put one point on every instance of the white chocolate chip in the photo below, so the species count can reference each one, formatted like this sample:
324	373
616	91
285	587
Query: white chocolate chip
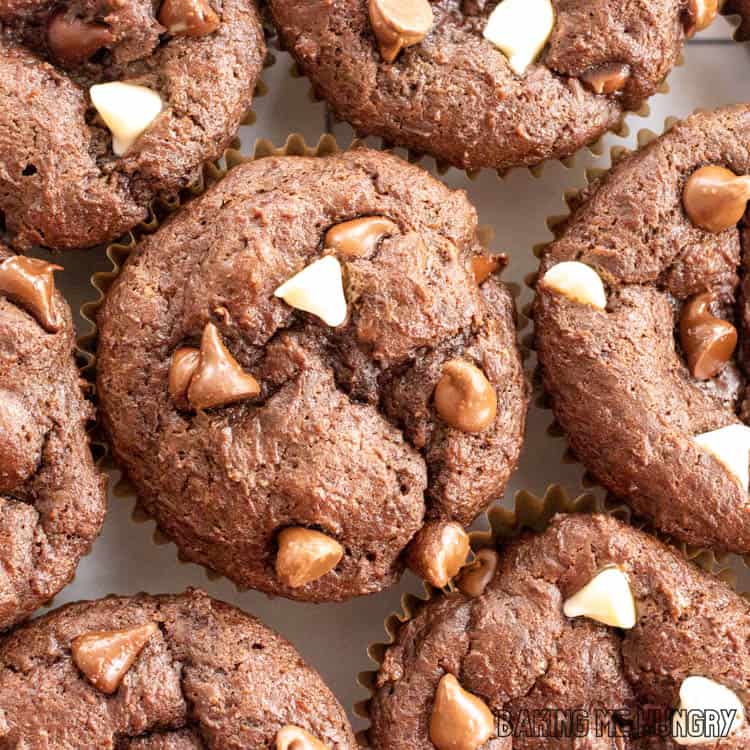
606	598
317	289
577	282
707	712
127	110
730	446
520	28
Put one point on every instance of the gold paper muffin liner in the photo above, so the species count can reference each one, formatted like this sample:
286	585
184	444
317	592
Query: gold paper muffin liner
540	398
594	149
530	513
118	253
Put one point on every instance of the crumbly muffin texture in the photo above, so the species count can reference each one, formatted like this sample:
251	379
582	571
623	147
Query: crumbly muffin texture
454	94
52	497
341	435
209	677
514	648
619	378
62	185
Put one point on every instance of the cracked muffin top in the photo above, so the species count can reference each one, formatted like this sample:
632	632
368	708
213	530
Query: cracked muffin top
52	497
591	619
648	377
161	673
106	105
309	365
479	83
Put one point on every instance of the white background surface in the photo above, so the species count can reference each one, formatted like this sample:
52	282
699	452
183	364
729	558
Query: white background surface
334	637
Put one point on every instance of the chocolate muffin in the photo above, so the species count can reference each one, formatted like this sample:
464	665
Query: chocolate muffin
161	673
300	372
107	105
587	635
52	497
640	303
486	84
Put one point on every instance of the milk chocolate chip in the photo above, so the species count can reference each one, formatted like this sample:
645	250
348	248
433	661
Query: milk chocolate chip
399	23
708	341
484	266
438	552
106	656
607	78
700	15
72	41
30	283
295	738
464	397
184	364
188	17
715	198
359	237
460	720
478	573
218	380
305	555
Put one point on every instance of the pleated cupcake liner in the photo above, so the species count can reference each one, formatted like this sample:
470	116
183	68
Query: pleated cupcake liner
118	253
529	513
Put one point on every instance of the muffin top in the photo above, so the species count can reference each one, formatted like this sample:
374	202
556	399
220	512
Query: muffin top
590	619
486	84
161	673
649	380
267	363
83	161
52	498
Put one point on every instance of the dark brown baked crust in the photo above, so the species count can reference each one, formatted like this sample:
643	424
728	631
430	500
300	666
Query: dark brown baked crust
618	382
61	185
52	497
513	647
210	677
344	437
454	95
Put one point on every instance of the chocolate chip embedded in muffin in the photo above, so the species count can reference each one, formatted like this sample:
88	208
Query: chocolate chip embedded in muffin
486	84
345	287
179	672
650	382
490	671
107	106
52	498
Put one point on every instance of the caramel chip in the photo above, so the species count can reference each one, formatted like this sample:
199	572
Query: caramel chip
106	656
476	575
188	17
464	397
715	198
484	266
30	282
438	551
72	41
701	14
291	737
359	237
606	78
399	23
708	341
184	364
459	720
305	555
218	379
